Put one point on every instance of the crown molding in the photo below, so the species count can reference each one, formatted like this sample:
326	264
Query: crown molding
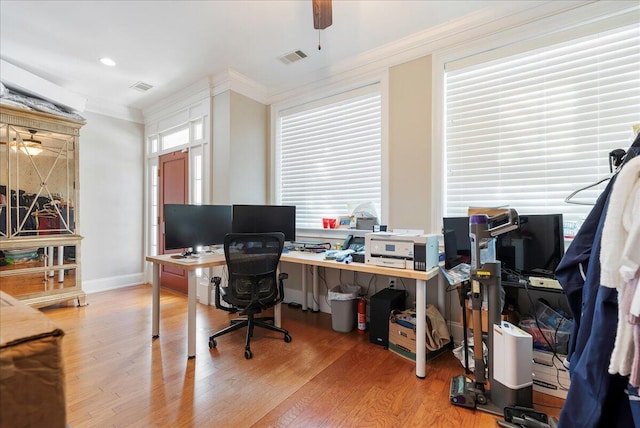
116	111
182	99
485	23
231	80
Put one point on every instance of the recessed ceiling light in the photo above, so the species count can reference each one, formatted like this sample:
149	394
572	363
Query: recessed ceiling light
108	61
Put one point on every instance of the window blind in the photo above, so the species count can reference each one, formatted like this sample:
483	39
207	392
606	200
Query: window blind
527	130
330	156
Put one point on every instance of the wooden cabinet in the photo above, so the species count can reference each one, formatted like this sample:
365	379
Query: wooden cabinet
39	230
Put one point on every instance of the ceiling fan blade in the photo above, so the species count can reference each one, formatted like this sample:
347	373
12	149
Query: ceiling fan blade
321	14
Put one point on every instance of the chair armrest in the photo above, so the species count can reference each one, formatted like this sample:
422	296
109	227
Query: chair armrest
217	281
281	277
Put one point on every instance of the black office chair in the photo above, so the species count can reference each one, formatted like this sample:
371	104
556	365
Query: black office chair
252	260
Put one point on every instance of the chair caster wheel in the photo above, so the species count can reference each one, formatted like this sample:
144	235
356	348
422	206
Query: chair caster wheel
212	343
287	338
248	354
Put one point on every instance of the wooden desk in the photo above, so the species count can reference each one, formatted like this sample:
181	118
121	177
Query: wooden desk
302	258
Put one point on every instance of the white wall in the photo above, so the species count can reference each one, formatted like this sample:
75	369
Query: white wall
248	171
111	202
239	150
220	147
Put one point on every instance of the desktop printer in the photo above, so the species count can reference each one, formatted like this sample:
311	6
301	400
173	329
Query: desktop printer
401	250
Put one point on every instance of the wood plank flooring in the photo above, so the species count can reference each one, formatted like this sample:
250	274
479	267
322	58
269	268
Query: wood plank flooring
117	376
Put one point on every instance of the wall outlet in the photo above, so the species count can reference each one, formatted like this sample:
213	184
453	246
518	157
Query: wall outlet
392	282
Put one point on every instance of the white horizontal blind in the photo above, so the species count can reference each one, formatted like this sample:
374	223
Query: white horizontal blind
330	156
527	130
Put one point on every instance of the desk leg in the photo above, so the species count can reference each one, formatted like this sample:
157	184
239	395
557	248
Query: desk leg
442	291
155	302
304	287
277	315
316	307
421	327
191	328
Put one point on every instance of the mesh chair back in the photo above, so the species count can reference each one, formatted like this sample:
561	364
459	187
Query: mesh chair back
252	262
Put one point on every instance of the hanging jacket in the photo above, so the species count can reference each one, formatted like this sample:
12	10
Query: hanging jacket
595	398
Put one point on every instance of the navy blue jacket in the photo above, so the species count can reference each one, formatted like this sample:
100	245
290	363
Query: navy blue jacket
595	397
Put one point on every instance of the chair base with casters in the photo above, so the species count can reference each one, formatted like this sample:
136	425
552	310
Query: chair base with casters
250	322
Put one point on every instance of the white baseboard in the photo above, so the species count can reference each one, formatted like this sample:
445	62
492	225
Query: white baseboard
112	283
294	295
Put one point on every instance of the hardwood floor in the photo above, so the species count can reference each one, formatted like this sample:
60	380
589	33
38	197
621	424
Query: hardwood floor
117	376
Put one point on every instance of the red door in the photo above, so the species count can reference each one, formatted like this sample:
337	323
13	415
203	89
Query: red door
174	189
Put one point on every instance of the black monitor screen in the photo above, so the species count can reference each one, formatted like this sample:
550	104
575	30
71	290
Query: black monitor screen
265	218
535	248
457	246
190	226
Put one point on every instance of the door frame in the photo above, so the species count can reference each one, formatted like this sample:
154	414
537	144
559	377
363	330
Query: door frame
199	177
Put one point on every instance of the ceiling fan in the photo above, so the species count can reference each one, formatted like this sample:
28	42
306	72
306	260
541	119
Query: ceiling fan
321	16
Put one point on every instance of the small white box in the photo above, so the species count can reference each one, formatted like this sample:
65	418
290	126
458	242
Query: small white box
549	375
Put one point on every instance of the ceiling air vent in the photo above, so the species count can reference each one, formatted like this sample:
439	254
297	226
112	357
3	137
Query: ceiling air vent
292	57
141	86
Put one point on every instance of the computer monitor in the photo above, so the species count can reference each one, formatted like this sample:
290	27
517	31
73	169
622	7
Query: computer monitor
265	218
535	248
457	246
191	226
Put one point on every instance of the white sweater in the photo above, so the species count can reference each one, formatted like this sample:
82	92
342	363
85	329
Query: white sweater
620	257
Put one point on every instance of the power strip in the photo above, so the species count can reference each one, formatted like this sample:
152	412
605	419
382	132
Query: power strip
538	281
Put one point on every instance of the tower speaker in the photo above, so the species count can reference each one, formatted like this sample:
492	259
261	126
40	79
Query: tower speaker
382	303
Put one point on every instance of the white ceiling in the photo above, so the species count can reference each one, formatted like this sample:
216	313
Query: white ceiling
173	44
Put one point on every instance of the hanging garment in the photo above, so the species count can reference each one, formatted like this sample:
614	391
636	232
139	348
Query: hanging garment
620	258
596	397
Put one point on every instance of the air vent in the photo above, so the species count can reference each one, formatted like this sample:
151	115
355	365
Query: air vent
141	86
292	57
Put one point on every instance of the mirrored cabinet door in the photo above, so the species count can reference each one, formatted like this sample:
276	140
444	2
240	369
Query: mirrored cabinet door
39	233
39	185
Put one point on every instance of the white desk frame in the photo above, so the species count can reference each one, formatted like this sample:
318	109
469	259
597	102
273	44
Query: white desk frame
305	259
190	265
421	278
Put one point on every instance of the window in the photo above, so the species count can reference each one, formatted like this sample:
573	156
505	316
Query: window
175	138
527	130
329	156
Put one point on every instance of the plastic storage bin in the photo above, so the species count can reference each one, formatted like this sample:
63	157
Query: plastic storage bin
559	339
344	306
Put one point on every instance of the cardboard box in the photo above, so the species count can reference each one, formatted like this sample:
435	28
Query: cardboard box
549	375
511	317
32	382
402	333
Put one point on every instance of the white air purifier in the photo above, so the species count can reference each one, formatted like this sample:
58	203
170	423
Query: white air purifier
512	383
